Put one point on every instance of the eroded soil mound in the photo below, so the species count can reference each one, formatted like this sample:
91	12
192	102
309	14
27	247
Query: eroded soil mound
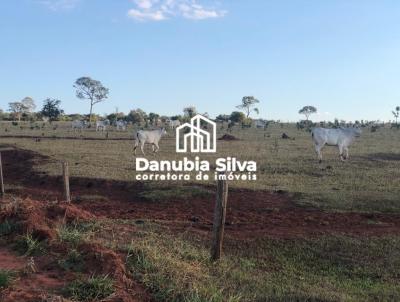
228	137
41	218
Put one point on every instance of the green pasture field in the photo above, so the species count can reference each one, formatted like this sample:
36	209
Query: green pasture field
368	182
176	267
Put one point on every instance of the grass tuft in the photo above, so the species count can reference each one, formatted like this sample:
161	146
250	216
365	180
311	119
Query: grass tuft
6	278
29	246
76	233
175	270
73	262
95	288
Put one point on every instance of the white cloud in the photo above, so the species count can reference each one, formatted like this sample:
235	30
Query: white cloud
145	4
144	15
158	10
57	5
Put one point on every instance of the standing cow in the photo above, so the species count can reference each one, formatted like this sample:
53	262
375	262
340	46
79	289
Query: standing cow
121	125
342	137
102	125
174	123
152	137
78	125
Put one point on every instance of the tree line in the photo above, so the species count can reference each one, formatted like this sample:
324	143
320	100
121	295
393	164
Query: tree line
95	92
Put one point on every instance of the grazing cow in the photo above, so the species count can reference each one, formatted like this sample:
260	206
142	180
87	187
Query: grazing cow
259	124
342	137
174	123
150	137
102	125
78	125
121	125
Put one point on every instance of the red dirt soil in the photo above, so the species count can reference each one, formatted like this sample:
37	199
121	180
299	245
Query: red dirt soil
32	286
250	214
8	261
41	219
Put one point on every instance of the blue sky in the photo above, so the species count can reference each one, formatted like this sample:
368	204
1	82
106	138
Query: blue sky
162	55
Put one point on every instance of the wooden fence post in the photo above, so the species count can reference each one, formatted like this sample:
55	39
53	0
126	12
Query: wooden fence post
219	218
1	178
67	195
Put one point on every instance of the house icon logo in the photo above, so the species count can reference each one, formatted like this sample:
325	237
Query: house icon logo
200	134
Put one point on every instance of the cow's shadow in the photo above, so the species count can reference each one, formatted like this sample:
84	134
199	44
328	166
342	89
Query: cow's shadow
384	156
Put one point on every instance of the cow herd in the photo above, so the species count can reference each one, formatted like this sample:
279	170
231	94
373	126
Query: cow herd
340	137
120	125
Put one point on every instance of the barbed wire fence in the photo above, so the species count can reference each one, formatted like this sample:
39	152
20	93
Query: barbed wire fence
220	201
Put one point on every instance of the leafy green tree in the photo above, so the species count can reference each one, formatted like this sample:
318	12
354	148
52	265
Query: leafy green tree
176	117
113	117
92	90
26	106
153	117
247	105
307	111
51	109
222	118
237	117
137	116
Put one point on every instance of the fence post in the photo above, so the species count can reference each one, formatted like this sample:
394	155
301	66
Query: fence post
219	218
1	178
67	195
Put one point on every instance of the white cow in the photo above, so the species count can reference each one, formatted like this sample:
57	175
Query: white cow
78	125
174	123
121	125
150	137
102	125
342	137
259	123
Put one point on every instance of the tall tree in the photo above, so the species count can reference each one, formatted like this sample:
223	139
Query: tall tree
51	109
27	105
396	113
247	105
92	90
307	111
